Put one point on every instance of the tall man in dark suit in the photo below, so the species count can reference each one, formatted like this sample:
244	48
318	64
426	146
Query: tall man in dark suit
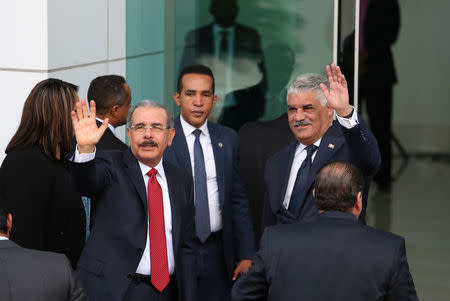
209	152
142	244
381	29
112	97
332	257
224	39
289	174
232	50
33	275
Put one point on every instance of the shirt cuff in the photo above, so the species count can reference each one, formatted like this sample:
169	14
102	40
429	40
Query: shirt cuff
348	122
82	158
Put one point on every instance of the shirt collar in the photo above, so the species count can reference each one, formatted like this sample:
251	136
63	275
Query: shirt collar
113	129
302	146
217	28
188	129
159	168
3	237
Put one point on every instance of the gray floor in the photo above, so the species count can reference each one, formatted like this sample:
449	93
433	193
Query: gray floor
418	208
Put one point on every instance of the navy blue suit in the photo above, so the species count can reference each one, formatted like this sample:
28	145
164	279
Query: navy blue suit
356	145
119	232
333	257
238	240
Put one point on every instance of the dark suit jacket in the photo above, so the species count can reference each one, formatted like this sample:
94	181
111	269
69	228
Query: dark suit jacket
36	276
119	233
48	212
200	42
237	227
243	105
356	145
109	141
258	141
332	258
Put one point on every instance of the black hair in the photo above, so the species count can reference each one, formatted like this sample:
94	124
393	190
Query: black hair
107	91
195	69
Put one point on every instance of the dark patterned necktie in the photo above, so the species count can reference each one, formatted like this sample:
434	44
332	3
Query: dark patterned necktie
300	186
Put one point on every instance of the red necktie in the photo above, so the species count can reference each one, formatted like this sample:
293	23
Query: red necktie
157	234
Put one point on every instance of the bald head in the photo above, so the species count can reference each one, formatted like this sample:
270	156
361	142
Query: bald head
338	186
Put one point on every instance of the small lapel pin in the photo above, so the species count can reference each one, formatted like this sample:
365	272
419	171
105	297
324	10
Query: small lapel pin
220	144
330	146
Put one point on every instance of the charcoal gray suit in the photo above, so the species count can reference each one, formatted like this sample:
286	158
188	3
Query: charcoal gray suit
33	275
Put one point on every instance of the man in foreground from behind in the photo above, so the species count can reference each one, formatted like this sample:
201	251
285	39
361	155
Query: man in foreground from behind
34	275
333	257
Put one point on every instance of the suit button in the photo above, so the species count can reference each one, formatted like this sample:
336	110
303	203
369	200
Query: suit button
140	250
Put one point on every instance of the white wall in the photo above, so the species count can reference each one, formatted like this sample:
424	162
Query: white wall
71	40
23	59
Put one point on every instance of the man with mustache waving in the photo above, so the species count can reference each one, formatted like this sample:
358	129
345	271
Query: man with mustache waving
289	174
142	242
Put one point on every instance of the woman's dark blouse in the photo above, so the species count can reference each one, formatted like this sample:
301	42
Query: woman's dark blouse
48	213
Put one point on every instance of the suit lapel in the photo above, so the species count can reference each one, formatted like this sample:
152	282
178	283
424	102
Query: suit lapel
180	148
286	166
218	147
282	175
134	174
331	142
175	208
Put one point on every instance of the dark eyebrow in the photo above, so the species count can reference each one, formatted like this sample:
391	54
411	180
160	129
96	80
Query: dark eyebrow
156	124
189	91
308	106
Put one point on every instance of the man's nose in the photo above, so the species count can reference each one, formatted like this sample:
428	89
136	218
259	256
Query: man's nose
148	132
198	101
299	115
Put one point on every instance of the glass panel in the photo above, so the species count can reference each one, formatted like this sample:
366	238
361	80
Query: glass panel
254	48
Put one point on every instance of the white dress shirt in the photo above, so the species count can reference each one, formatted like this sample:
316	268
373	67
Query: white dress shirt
215	214
3	238
300	155
228	56
144	267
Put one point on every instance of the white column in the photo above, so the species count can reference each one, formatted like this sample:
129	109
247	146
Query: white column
75	41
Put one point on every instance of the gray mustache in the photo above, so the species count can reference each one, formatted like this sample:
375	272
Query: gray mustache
148	143
301	122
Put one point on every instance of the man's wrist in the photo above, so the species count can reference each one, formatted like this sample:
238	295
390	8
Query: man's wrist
347	113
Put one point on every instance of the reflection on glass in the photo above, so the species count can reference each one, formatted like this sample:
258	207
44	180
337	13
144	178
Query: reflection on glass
231	50
379	29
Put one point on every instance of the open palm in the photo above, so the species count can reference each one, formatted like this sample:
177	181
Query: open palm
85	126
337	95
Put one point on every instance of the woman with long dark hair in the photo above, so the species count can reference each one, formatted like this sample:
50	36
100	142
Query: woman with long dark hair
34	184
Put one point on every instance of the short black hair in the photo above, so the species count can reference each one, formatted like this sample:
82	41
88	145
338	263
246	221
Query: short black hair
107	91
3	219
195	69
337	185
